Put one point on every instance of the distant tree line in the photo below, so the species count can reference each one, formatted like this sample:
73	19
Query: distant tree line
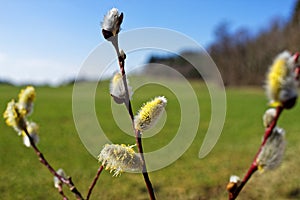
241	56
156	65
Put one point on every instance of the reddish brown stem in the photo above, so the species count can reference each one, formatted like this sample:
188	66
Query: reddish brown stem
94	182
61	192
297	72
253	167
138	138
43	160
145	173
269	130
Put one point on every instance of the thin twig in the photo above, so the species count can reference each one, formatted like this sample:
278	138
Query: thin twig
253	167
42	159
61	192
145	173
138	137
94	182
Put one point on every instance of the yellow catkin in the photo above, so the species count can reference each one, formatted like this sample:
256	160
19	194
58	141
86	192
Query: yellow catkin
26	98
275	78
16	112
281	85
13	117
150	113
27	94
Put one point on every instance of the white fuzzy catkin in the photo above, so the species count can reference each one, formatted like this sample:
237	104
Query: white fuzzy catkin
272	152
56	181
112	21
268	117
234	179
120	158
117	88
32	129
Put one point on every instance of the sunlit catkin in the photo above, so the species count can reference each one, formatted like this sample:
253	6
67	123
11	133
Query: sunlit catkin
120	158
111	23
280	81
272	152
150	113
117	88
13	117
234	182
268	117
26	98
32	129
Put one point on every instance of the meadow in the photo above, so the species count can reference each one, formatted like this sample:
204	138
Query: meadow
23	177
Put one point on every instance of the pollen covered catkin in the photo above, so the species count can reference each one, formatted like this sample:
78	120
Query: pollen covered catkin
119	158
150	113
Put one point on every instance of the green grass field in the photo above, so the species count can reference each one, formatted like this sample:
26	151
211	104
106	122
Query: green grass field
23	177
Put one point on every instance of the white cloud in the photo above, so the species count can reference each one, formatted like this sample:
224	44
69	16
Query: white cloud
36	70
3	57
41	70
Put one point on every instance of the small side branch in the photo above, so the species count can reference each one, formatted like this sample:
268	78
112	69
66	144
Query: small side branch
145	173
61	192
43	160
253	168
121	59
94	182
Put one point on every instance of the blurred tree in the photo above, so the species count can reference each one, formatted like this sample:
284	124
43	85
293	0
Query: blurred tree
296	14
241	56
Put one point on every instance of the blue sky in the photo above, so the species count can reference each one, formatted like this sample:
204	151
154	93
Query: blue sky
47	41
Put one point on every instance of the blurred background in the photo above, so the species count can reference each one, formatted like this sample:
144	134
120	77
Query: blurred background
46	42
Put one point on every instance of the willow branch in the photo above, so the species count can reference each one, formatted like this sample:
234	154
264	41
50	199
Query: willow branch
121	59
61	192
42	159
253	167
145	173
94	182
